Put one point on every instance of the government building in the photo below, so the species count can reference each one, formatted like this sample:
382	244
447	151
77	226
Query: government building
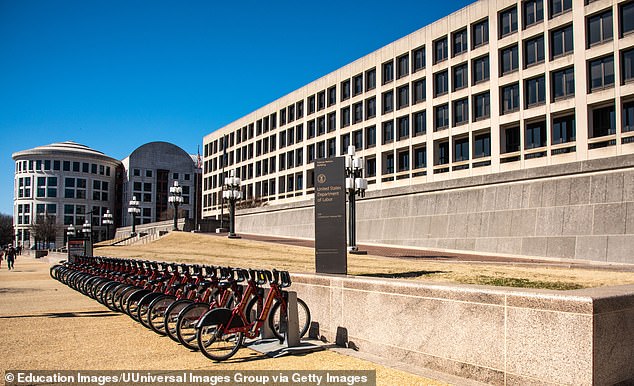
73	183
505	128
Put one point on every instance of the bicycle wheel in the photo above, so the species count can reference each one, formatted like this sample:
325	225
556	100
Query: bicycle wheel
278	324
217	345
171	317
186	324
156	313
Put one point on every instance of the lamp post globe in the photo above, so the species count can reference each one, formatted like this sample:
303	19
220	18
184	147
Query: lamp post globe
355	185
134	210
107	221
176	198
232	193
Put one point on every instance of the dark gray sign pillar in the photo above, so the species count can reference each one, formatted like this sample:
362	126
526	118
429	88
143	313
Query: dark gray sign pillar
330	216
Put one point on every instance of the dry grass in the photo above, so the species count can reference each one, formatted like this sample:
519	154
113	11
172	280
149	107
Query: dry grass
206	249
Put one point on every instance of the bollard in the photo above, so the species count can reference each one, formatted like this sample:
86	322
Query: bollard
291	338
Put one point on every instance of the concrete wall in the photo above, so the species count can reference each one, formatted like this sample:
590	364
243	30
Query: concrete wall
583	210
494	335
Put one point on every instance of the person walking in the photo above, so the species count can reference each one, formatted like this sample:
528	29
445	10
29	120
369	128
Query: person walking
10	257
1	257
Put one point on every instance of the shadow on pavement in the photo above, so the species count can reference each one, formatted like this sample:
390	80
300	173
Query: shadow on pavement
397	275
82	314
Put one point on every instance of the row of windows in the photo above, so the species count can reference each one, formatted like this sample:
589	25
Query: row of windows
149	173
29	166
47	187
598	30
602	122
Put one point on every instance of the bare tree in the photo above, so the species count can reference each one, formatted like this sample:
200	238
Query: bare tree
44	228
6	229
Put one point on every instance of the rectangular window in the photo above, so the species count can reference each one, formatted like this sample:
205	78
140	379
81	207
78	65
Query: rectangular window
563	83
332	119
299	108
599	28
311	128
357	138
626	15
321	100
442	153
418	91
388	72
66	166
482	145
419	120
321	125
533	12
291	114
418	61
534	51
389	163
388	132
535	91
403	160
332	96
480	33
332	147
441	50
535	135
508	21
420	158
459	42
511	139
510	98
461	112
508	60
311	104
628	116
403	127
370	137
603	121
345	89
480	69
441	83
370	167
345	117
461	149
403	66
357	84
441	117
388	101
627	65
370	108
370	79
563	129
557	7
601	73
561	41
357	115
460	76
481	106
403	97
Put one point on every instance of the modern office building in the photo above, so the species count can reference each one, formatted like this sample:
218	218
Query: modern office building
67	181
73	183
506	127
150	170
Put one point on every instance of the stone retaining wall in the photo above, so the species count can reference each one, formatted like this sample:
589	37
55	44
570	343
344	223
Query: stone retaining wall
501	336
582	210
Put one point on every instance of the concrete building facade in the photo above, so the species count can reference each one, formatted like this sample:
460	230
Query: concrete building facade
65	181
150	170
455	120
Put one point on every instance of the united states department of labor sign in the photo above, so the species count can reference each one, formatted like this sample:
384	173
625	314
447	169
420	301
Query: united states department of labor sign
330	216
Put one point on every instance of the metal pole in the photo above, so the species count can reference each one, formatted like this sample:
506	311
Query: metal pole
353	243
175	215
232	221
133	223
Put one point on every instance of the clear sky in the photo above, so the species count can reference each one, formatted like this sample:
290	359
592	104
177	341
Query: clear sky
114	75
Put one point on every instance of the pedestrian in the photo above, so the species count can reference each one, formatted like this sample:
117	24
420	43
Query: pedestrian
10	257
19	249
1	256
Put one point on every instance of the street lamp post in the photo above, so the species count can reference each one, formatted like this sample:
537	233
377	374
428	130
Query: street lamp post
107	221
70	232
134	210
176	198
232	193
355	185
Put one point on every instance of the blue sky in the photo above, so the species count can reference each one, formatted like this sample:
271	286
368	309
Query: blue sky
114	75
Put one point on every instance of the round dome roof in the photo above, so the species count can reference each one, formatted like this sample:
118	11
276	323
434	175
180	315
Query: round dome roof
71	147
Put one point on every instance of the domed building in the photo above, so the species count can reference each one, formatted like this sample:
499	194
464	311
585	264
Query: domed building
68	182
149	172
